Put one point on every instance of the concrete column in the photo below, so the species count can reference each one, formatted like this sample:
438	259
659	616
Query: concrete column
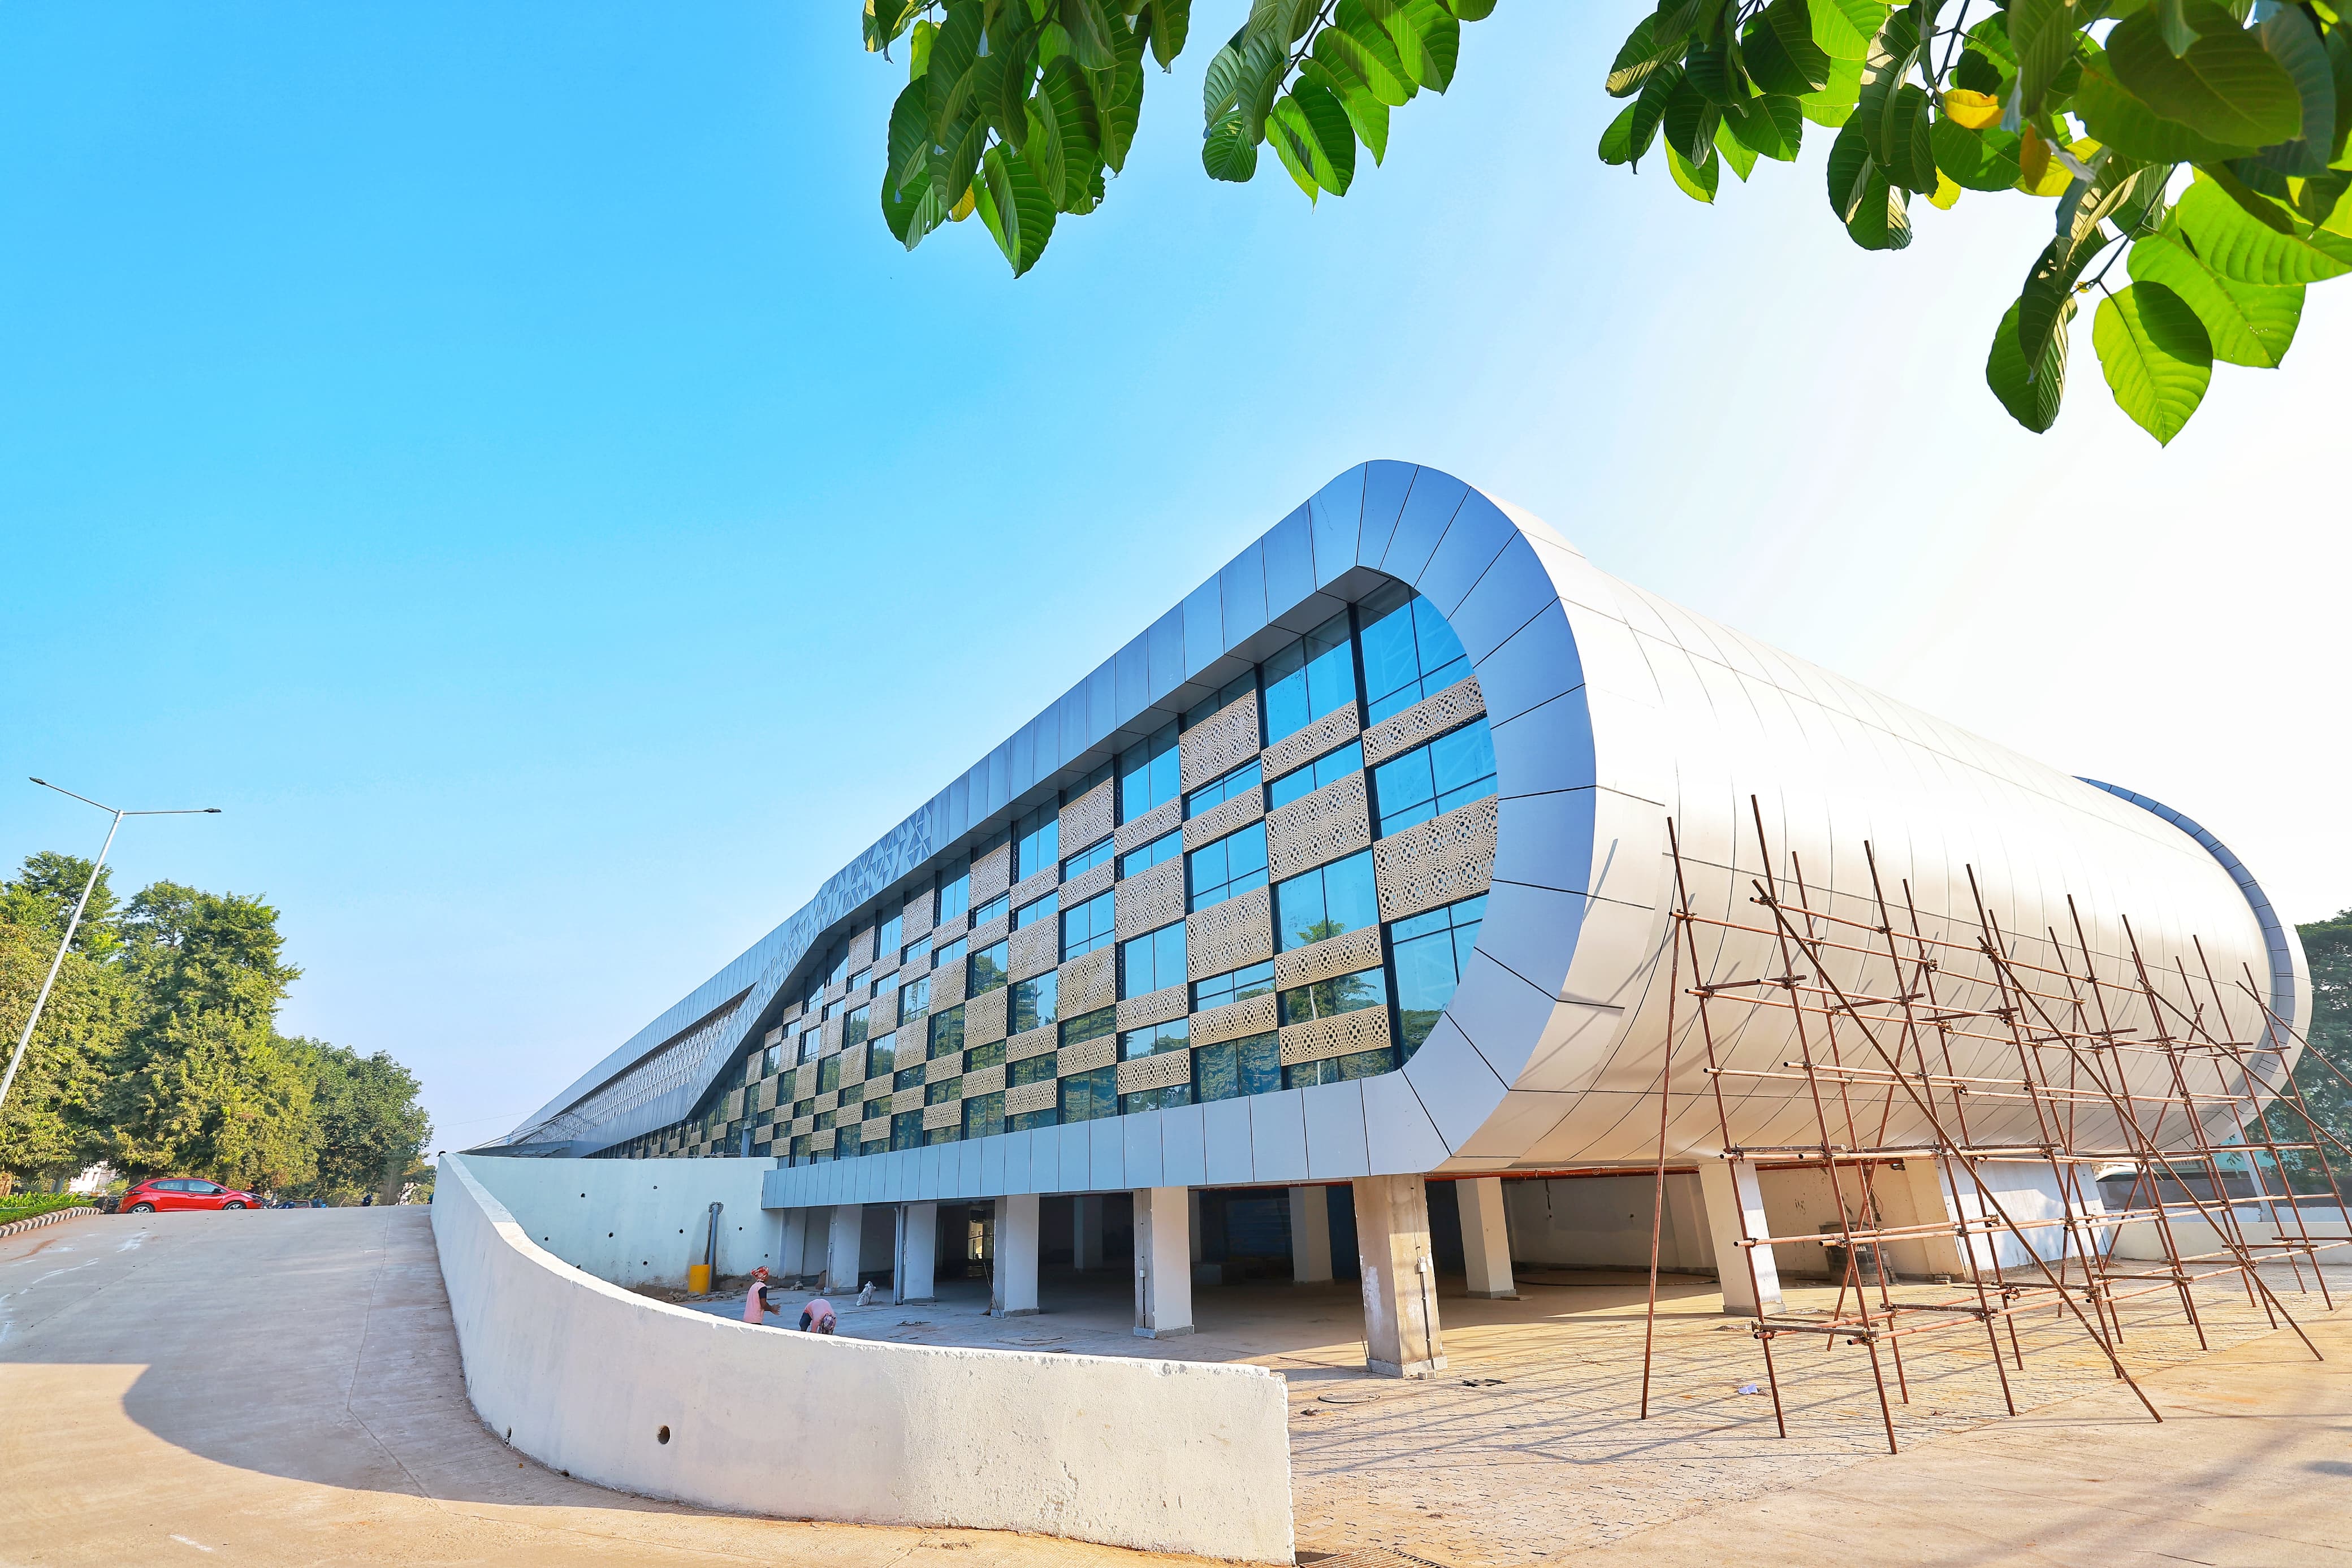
1310	1235
841	1255
1734	1209
1399	1277
1086	1231
1688	1242
1486	1239
918	1251
1013	1293
1164	1263
1193	1219
816	1242
1914	1193
793	1244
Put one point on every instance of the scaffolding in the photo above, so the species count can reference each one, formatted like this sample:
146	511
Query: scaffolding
2099	1060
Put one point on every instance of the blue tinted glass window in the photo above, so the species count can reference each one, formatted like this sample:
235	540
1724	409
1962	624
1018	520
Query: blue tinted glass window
1037	840
1167	847
914	999
886	935
1153	962
1032	1002
1088	926
1234	986
1087	859
1409	652
1232	786
1432	952
1157	1040
1302	782
906	1130
948	953
1251	1065
1429	780
947	1034
1233	865
1328	999
987	971
1148	774
879	1058
1328	900
955	892
1311	677
1087	1096
984	1117
854	1027
992	909
1232	692
1042	909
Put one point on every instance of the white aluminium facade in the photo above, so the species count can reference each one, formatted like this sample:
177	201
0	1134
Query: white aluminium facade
1357	862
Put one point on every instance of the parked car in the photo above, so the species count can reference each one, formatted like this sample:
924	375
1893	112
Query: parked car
166	1193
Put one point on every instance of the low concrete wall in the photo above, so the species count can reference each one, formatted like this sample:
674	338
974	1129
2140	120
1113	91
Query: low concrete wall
659	1400
613	1219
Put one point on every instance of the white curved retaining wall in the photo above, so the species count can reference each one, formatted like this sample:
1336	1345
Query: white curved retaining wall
584	1376
613	1219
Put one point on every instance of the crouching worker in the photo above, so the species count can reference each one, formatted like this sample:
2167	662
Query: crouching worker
817	1317
755	1299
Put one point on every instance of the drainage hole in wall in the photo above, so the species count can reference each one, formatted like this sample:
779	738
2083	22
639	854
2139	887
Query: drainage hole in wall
662	1436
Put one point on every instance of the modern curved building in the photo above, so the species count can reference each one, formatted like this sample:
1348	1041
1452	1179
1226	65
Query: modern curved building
1356	865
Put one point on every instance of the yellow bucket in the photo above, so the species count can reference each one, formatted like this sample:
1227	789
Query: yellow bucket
698	1278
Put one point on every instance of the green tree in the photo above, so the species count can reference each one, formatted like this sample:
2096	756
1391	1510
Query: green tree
2201	149
370	1128
48	1128
45	892
2323	1073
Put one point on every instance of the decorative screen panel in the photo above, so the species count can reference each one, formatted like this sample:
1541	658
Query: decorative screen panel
947	985
853	1062
1335	820
1232	817
861	947
804	1080
1158	822
1324	960
1033	1042
1085	1056
1232	1021
1151	900
1329	733
1088	981
1023	1098
915	915
1164	1070
1447	858
1427	719
822	1138
1088	884
1030	888
983	1081
1033	949
1219	744
983	1017
1151	1007
946	1114
834	1029
877	1130
991	873
905	1100
828	1100
1228	935
1342	1034
990	934
940	1069
1086	819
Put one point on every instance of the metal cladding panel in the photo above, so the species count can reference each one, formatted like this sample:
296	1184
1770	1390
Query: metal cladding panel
1628	710
1241	594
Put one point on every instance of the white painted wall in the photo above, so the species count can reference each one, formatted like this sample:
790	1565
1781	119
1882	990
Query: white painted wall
1163	1456
1603	1222
632	1222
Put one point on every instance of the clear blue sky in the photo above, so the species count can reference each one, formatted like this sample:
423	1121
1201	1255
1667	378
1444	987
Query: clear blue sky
496	454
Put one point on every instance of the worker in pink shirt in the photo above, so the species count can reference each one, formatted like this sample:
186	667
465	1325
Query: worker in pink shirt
817	1317
755	1299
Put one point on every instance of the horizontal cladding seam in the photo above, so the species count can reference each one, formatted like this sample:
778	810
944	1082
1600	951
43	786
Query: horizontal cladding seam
764	967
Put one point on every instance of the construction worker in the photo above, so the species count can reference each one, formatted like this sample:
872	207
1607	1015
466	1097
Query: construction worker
755	1299
817	1317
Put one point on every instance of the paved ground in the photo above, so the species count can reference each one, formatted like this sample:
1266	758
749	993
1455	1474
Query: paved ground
282	1388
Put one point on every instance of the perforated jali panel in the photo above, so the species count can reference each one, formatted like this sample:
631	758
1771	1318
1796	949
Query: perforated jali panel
1219	744
1335	820
1291	752
1088	981
1151	900
1164	1070
1151	1007
1342	1034
1228	935
1438	862
1427	719
1232	1021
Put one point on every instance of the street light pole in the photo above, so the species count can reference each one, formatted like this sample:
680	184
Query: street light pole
26	1039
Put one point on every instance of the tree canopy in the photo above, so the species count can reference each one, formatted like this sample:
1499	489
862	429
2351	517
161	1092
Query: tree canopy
159	1053
2198	147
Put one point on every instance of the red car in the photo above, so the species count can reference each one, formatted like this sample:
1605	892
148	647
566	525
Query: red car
182	1192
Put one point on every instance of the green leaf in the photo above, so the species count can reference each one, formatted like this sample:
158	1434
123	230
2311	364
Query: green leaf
1909	151
1777	48
2042	32
1263	61
2287	37
910	135
2156	357
2234	244
1772	125
2113	118
1330	148
2030	389
1355	42
2226	87
955	159
1170	21
1220	88
1118	97
1428	40
1717	78
1689	120
1873	211
1367	115
1892	55
1834	104
2247	323
2172	25
1065	146
1089	32
1975	159
1229	152
1733	151
1472	10
1844	28
1287	133
1696	180
1643	53
911	213
954	52
1012	203
1975	72
2047	300
2339	60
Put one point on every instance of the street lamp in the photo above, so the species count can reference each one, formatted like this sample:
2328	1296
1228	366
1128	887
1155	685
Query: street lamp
80	904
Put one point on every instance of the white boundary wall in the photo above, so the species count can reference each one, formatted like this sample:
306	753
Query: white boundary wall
612	1219
584	1376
